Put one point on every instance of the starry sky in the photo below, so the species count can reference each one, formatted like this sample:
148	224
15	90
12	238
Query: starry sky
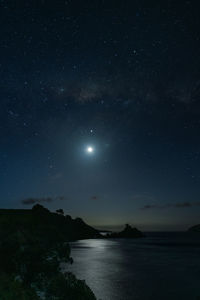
121	77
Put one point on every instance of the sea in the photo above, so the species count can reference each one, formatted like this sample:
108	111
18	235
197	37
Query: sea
160	266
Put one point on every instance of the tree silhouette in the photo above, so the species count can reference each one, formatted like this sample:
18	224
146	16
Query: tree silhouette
60	211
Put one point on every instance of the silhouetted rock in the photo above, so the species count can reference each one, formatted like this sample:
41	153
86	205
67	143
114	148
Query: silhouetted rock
128	232
195	228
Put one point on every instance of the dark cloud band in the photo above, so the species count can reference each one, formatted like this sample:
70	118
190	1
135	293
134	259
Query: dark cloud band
30	201
171	205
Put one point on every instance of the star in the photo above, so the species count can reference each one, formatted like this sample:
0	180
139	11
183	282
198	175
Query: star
61	90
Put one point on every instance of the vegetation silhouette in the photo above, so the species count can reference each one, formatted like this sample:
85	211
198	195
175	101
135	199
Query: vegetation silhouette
33	244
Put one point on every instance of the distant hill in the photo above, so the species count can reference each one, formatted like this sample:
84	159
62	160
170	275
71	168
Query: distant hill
195	228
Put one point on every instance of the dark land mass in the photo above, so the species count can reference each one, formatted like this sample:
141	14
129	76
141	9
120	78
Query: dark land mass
195	228
41	219
33	244
128	232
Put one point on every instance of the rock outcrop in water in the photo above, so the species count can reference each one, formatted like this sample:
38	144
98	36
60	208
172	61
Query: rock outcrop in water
128	232
195	228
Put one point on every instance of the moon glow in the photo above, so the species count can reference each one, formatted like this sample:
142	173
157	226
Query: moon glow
90	149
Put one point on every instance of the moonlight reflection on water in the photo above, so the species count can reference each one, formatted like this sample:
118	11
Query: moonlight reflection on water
148	268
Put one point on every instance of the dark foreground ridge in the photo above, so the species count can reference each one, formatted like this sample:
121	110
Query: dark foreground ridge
195	228
41	219
33	244
128	232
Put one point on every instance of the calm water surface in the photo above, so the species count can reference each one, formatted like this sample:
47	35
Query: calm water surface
158	267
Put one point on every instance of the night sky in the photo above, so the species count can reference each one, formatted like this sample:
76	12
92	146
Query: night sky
120	77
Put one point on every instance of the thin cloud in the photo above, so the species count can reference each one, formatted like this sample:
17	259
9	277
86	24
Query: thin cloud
149	206
31	201
171	205
186	204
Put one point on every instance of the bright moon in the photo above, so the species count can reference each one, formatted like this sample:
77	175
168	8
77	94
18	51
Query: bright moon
90	149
